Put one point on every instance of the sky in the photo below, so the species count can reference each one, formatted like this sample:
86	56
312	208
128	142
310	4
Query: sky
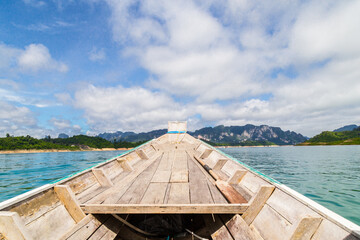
93	66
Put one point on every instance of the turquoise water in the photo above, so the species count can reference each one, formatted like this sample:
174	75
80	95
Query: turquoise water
329	175
20	173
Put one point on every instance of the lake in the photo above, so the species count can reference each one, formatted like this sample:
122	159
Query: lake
329	175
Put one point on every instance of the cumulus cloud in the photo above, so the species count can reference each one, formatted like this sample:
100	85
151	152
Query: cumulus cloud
119	108
37	57
287	63
61	125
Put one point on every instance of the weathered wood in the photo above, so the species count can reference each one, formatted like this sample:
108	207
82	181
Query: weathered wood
161	176
102	178
240	230
67	197
306	228
113	194
216	194
138	187
155	193
219	164
206	153
199	190
222	234
85	228
12	227
257	203
179	176
126	165
179	193
237	176
229	192
108	230
80	225
142	154
164	208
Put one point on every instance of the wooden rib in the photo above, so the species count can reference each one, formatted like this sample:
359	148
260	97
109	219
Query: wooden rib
125	165
240	230
257	203
101	177
142	154
229	192
306	228
164	208
68	199
206	153
237	176
12	227
219	164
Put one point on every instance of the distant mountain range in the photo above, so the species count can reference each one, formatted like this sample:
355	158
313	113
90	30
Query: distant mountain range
346	128
222	135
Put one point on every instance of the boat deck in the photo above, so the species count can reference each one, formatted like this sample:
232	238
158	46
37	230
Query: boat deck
171	182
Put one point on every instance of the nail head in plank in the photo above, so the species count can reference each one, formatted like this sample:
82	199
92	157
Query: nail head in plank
229	192
12	227
257	203
306	228
237	176
164	208
67	197
101	177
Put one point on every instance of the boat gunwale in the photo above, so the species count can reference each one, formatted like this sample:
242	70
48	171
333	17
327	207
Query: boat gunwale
323	211
24	196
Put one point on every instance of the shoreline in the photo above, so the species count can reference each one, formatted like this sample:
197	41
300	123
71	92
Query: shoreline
60	150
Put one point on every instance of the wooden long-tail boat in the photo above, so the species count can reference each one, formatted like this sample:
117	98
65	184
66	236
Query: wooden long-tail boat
172	187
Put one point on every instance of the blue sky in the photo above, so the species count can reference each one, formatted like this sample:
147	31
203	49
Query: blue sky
95	66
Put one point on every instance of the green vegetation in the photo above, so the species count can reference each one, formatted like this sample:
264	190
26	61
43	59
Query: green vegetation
16	143
74	143
245	143
335	138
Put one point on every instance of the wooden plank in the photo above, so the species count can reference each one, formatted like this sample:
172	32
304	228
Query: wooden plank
222	234
155	193
12	227
164	208
306	228
229	192
212	223
167	161
179	176
102	178
237	176
113	194
180	162
86	229
240	230
67	197
216	194
257	203
80	225
108	230
161	176
199	189
179	193
138	187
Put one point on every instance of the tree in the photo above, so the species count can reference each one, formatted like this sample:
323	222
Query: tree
7	135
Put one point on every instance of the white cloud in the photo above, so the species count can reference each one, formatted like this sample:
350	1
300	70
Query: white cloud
37	57
97	54
119	108
287	63
61	125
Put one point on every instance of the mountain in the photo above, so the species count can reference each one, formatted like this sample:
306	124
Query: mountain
346	128
236	135
223	135
63	135
335	138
